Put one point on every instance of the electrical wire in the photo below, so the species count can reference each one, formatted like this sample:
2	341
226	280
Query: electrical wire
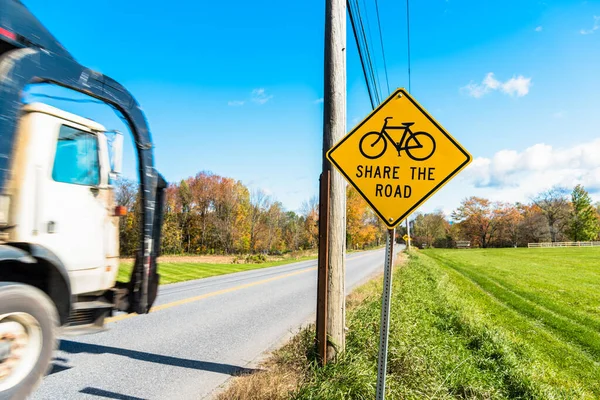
408	41
368	55
60	98
367	19
47	96
382	51
409	88
362	62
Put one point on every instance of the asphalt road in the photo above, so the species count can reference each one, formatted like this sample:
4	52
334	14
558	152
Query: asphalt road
202	333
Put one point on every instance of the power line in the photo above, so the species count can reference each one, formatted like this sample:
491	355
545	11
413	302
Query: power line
408	41
409	88
382	51
368	54
362	61
47	96
60	98
366	8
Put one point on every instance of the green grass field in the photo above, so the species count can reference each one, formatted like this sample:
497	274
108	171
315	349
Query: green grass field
171	272
545	301
476	324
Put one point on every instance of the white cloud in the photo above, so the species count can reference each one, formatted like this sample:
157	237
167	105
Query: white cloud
475	90
538	168
539	28
511	176
516	86
260	96
490	82
594	28
319	101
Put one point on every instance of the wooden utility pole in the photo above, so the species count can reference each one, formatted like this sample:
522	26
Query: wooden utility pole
323	270
334	128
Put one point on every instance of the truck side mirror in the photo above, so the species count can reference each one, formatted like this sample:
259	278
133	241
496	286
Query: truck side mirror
117	154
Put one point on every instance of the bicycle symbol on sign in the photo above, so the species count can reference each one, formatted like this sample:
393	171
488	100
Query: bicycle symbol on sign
418	145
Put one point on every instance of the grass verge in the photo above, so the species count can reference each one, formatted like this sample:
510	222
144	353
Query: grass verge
459	329
172	272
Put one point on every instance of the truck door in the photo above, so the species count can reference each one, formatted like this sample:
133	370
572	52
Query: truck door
73	205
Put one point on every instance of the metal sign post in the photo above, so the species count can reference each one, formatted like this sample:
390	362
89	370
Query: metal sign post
385	314
408	234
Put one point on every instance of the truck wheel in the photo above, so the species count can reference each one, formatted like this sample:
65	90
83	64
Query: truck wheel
28	325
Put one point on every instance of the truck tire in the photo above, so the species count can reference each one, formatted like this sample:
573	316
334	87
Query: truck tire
28	324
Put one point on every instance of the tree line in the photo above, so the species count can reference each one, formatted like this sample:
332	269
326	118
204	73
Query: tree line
212	214
555	215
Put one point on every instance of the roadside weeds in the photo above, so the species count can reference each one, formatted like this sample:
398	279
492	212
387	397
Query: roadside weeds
289	367
449	339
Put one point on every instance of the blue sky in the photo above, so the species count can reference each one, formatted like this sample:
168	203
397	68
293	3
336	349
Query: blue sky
234	87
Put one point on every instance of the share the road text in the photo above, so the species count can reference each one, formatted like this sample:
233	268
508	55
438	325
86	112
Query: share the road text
398	190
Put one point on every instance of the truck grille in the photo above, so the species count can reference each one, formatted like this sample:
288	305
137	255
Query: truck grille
83	317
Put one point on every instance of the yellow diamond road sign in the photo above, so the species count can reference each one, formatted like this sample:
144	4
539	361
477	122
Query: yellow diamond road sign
398	157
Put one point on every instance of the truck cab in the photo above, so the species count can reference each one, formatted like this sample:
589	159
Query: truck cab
61	198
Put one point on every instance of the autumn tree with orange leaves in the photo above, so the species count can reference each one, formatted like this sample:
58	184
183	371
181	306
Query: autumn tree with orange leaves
363	227
480	219
211	214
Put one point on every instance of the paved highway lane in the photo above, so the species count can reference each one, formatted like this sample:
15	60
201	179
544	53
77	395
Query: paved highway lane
201	333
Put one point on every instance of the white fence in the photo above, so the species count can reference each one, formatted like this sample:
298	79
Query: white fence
563	244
